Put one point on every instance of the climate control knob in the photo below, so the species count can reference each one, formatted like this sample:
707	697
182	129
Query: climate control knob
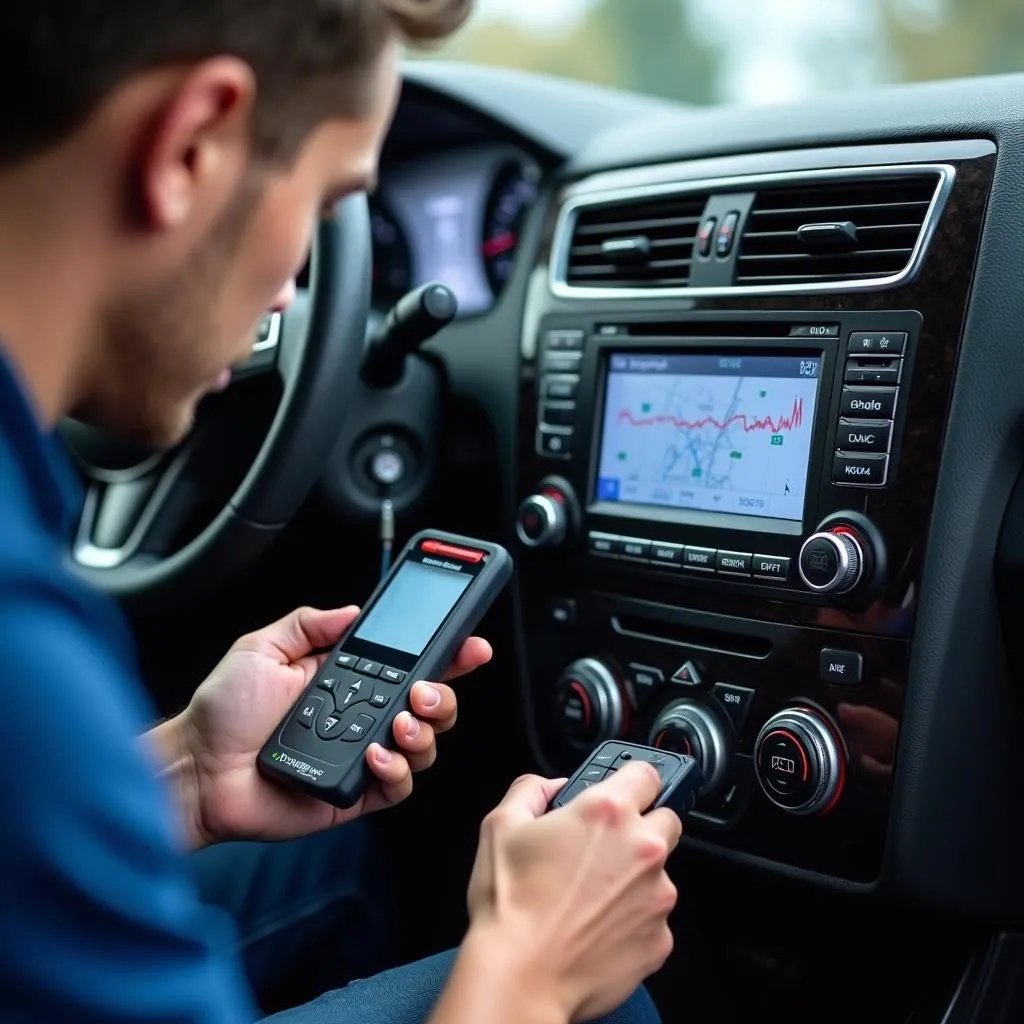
689	727
832	562
799	762
591	703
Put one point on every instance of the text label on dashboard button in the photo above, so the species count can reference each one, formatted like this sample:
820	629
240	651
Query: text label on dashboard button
863	436
771	567
700	559
860	470
667	554
734	563
633	547
603	544
869	403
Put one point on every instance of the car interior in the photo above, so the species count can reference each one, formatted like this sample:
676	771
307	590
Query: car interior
742	392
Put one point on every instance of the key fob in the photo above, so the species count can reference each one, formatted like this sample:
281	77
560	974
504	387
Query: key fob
681	777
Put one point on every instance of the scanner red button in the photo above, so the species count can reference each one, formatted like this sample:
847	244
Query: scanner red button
437	547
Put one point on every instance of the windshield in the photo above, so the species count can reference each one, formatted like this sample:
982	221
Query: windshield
746	51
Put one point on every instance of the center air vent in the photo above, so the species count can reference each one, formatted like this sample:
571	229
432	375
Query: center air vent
836	229
842	230
645	243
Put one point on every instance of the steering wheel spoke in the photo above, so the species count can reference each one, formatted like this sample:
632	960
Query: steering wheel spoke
158	537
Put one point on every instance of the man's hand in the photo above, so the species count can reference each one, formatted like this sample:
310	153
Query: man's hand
568	910
211	747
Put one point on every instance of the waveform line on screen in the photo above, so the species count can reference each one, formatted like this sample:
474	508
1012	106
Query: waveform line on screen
791	422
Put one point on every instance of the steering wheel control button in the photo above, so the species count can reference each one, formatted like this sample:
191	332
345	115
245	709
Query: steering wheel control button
864	436
733	563
860	470
392	675
877	343
387	467
347	661
736	701
846	668
799	763
369	668
784	763
688	674
307	713
328	726
356	731
771	567
868	403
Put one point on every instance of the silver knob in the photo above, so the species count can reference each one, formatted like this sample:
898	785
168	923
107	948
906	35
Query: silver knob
688	727
799	763
831	562
541	522
590	703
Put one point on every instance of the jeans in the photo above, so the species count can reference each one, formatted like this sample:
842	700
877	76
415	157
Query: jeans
304	906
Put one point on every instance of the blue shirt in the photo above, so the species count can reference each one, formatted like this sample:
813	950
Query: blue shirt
98	917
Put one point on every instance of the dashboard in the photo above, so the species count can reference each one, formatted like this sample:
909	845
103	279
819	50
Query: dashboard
754	390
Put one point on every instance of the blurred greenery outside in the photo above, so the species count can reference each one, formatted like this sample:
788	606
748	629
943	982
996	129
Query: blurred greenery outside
748	51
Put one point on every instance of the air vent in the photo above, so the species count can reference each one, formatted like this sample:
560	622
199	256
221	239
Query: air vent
852	230
636	243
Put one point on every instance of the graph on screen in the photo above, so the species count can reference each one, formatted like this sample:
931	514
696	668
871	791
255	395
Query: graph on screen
726	434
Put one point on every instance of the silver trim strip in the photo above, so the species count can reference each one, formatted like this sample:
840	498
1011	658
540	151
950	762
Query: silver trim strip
558	267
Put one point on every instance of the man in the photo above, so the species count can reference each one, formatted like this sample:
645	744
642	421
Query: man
161	172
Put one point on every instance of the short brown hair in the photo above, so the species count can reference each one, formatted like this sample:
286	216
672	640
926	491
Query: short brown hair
311	57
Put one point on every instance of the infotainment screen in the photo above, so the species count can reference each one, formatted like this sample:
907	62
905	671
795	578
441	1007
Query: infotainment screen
721	433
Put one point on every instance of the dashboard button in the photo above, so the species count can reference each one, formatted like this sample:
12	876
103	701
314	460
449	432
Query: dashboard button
783	763
633	547
564	341
726	235
863	436
736	700
771	567
557	445
877	343
705	236
558	414
667	554
843	667
688	674
734	563
860	373
562	362
645	678
562	388
699	559
860	470
869	403
603	544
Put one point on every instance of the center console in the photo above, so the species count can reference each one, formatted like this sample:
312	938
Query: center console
726	486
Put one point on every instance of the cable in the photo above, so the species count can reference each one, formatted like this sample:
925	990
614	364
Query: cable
387	535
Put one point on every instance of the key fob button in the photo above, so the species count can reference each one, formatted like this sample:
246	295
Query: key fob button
358	729
308	710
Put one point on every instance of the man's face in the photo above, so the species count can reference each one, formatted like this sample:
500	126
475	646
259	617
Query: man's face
173	340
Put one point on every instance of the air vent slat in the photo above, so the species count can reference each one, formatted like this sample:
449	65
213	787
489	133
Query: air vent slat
668	226
887	215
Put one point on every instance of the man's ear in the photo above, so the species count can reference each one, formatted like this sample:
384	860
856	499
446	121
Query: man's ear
200	145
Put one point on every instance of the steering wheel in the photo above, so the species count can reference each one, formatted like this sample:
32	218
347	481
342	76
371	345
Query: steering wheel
316	349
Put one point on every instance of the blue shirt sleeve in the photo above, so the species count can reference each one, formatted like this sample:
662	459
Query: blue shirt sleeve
99	921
